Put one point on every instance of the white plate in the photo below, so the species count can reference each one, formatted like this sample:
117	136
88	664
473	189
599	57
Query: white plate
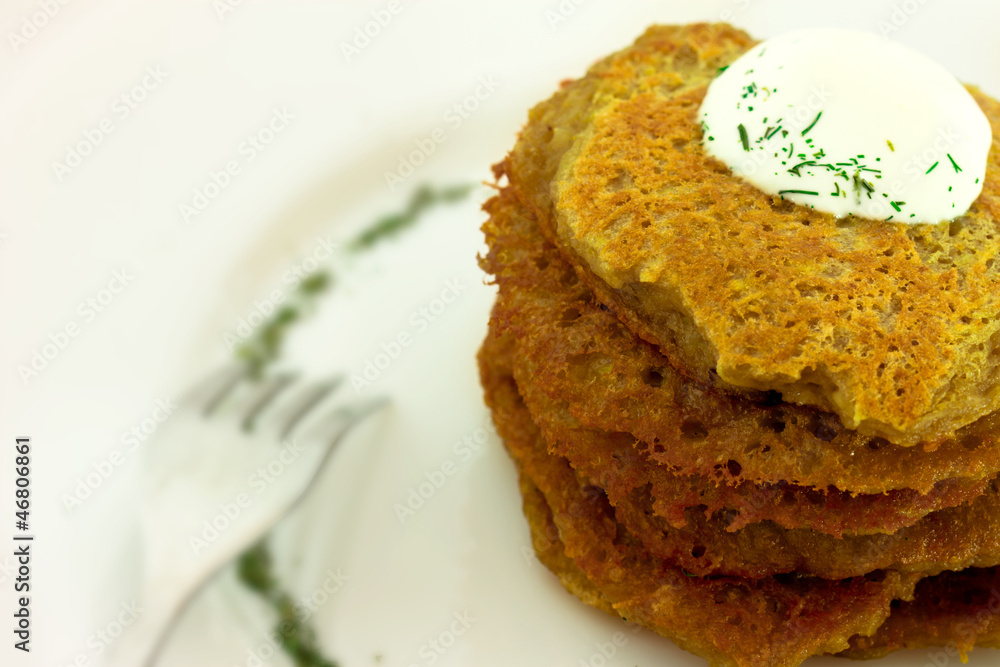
62	240
421	511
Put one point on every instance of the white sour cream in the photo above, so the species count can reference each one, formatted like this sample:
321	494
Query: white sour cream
849	123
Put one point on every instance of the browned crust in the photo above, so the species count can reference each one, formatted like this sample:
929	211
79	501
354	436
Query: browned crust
727	620
954	611
893	327
613	381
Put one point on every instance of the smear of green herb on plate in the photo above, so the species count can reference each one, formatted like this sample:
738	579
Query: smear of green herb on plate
263	348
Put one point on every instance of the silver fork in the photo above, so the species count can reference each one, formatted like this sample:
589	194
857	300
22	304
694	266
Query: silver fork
220	473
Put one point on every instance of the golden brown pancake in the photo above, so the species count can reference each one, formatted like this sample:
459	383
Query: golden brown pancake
612	380
713	396
612	461
954	538
773	621
957	610
894	328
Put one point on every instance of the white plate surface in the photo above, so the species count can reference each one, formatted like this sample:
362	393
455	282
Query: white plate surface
221	78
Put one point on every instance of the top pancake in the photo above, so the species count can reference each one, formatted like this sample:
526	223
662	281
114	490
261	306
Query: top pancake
895	328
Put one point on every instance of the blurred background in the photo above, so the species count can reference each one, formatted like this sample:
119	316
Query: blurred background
171	170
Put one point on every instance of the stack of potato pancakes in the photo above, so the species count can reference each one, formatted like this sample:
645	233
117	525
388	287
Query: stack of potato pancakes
751	427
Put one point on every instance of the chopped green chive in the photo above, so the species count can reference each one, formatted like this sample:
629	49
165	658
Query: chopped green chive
932	168
957	168
815	120
743	137
797	192
897	204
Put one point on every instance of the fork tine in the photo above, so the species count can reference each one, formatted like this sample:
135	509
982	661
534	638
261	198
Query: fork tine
334	423
339	423
212	388
228	383
311	399
272	387
347	418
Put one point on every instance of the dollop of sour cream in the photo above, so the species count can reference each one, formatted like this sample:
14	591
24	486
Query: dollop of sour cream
849	123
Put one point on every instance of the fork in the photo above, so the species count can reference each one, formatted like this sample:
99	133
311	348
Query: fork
234	458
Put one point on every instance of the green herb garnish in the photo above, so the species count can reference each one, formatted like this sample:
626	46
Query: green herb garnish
743	137
815	120
390	225
264	346
254	566
298	639
957	168
861	184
